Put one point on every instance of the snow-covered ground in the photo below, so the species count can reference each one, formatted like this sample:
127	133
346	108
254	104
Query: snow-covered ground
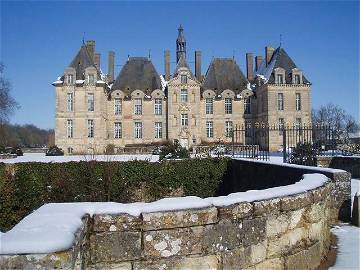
40	157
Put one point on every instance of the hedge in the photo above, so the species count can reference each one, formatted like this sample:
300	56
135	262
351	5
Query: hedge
26	186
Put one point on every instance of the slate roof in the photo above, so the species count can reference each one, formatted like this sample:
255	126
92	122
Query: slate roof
81	61
280	59
224	73
182	63
138	74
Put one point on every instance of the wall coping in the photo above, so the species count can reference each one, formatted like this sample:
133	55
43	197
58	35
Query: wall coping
54	226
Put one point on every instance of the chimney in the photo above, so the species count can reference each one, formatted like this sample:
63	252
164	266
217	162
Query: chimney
97	60
167	64
198	65
111	59
90	45
258	60
268	54
250	66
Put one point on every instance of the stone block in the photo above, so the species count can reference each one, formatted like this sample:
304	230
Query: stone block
238	258
118	222
258	252
112	266
320	193
166	243
281	245
182	218
273	264
304	259
296	218
314	212
115	246
210	262
266	207
236	211
297	201
277	225
227	235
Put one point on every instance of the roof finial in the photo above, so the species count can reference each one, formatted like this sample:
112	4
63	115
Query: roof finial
149	54
128	57
280	40
233	54
83	39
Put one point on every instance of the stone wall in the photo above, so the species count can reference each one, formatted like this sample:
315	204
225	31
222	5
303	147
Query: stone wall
350	164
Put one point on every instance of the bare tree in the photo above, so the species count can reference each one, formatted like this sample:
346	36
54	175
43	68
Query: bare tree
336	117
7	102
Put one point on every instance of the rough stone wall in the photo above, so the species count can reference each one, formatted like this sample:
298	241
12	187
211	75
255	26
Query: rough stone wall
291	232
350	164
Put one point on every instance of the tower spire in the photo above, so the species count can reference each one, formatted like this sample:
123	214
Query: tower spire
180	44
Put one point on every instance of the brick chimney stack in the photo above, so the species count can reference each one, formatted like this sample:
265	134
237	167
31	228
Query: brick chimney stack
97	60
198	65
268	54
249	66
258	60
167	64
111	60
90	45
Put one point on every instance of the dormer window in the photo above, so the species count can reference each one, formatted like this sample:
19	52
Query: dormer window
296	76
297	79
280	78
91	78
69	79
183	79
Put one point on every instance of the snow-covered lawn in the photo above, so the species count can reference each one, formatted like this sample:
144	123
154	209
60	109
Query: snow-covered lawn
40	157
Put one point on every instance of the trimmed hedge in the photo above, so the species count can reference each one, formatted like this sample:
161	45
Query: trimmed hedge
26	186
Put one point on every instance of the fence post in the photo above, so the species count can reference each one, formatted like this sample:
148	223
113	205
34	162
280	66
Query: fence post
284	145
232	139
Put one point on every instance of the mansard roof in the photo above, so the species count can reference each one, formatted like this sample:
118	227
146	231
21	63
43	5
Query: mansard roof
138	74
224	73
81	61
279	59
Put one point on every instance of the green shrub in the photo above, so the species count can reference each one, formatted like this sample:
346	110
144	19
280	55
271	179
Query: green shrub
26	186
173	151
110	149
54	151
304	154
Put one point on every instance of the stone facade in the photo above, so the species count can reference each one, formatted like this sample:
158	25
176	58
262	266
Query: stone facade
141	109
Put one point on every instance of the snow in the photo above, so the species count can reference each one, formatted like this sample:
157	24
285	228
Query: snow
100	81
264	71
40	157
57	223
57	81
79	81
163	82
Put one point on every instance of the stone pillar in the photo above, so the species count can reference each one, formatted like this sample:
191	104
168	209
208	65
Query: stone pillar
111	60
90	45
258	60
198	65
167	64
268	54
97	60
249	66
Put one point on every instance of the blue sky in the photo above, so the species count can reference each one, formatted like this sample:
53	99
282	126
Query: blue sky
39	39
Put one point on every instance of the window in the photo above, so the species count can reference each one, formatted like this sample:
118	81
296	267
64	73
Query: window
281	125
91	78
158	130
183	79
298	123
70	150
184	95
228	105
209	106
228	128
90	127
209	129
158	106
184	120
70	102
117	106
298	101
247	105
117	130
137	106
138	130
70	129
297	79
69	79
90	102
280	101
280	78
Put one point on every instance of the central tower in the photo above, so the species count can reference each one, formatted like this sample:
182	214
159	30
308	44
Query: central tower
180	44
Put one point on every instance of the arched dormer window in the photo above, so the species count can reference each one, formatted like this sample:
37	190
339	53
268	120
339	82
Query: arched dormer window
279	74
296	75
90	75
69	76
